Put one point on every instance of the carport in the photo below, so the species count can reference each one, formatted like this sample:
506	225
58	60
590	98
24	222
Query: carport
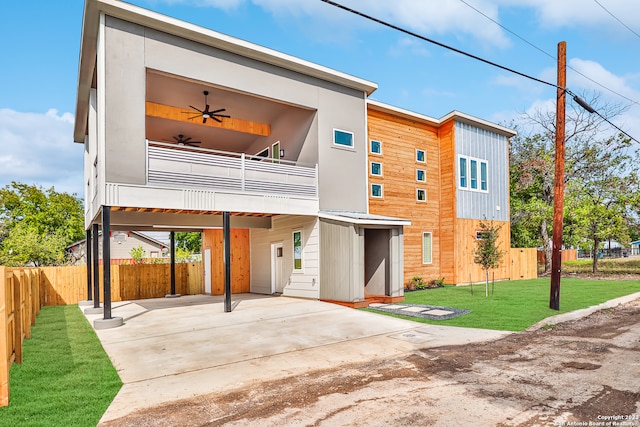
169	349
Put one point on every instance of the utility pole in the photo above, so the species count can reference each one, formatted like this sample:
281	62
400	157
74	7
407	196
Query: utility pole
558	190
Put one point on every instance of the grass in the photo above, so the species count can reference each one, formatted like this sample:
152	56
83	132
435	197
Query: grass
605	266
516	305
66	378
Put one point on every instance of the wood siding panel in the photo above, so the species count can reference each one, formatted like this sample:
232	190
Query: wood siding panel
447	212
240	260
400	138
465	269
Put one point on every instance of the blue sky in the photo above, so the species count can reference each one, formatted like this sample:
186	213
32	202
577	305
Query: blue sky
39	47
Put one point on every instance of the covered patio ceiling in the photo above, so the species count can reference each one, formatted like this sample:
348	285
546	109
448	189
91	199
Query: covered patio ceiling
181	93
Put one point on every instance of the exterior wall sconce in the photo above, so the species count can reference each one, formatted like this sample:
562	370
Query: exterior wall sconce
281	153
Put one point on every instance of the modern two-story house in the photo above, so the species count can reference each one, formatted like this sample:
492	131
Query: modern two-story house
328	194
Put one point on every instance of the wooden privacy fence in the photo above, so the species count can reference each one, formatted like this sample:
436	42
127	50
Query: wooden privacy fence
23	291
19	305
68	285
523	263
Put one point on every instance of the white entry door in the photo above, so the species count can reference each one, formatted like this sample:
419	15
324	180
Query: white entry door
207	271
277	267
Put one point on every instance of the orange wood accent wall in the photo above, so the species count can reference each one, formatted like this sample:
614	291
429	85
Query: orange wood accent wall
400	138
240	260
182	115
466	269
448	212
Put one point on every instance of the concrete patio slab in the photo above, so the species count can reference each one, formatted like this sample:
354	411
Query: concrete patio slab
170	349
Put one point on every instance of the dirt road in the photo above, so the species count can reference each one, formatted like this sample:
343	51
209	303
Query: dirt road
585	372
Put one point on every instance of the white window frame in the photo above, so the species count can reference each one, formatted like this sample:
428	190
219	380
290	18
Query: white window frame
371	141
424	233
371	168
343	146
293	252
468	176
424	155
424	175
381	196
418	190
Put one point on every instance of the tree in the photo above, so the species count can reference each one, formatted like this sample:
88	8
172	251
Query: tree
137	254
192	242
26	246
487	253
532	169
604	199
27	212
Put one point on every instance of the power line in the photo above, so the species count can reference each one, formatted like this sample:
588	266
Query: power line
550	55
616	18
402	30
578	100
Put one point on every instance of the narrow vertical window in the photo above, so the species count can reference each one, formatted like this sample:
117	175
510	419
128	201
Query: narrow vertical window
463	172
376	168
420	156
483	176
421	175
297	250
426	248
421	195
474	173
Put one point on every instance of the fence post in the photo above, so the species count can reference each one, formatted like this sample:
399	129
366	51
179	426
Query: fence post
4	362
25	285
17	319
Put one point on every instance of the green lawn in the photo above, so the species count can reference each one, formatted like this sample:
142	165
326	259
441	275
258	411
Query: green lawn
66	378
516	305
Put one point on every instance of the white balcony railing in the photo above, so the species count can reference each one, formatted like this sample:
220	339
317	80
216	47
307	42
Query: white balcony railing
170	165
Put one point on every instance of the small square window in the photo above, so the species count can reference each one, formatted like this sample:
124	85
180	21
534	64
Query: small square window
376	168
421	175
376	191
375	147
343	138
421	195
421	156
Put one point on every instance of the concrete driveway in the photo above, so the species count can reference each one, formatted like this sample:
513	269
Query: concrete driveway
170	349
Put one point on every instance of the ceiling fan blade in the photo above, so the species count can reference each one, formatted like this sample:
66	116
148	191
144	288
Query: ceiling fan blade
194	117
197	109
222	115
216	119
187	139
218	111
204	120
194	142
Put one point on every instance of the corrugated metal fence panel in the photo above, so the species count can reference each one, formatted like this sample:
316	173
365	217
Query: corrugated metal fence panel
482	144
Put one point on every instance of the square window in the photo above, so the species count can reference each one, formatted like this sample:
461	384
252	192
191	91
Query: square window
376	191
426	248
421	195
376	168
375	147
421	156
343	138
421	175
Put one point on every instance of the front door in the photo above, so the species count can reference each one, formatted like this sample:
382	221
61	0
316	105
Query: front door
277	267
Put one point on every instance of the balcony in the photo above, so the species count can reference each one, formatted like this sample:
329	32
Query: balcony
198	179
191	167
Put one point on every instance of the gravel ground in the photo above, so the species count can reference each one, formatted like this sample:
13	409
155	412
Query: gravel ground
584	372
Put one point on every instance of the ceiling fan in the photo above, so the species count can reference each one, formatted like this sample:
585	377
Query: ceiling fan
182	140
206	114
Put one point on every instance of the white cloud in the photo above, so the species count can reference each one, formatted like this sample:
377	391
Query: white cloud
576	13
39	149
427	18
